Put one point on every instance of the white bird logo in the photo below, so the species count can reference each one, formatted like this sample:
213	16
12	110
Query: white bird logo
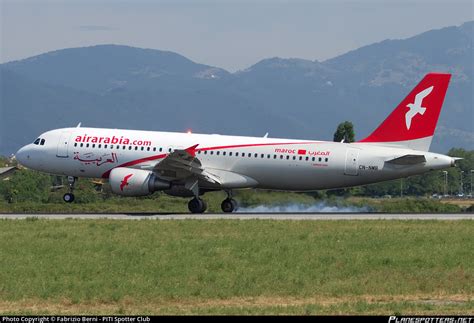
415	107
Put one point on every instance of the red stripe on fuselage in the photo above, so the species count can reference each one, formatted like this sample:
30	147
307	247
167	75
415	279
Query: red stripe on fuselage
142	160
259	145
135	162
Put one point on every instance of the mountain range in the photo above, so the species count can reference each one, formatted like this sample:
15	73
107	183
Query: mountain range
126	87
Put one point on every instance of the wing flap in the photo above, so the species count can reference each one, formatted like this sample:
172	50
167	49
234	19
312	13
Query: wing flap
183	164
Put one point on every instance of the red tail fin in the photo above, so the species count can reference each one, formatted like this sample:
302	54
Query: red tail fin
413	122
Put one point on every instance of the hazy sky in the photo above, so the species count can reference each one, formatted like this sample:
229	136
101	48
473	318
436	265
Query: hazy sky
229	34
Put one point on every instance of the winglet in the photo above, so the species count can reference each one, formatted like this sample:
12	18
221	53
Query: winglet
192	150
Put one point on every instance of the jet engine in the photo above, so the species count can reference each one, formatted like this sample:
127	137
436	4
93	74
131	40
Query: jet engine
135	182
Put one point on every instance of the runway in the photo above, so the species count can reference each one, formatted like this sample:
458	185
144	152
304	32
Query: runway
249	216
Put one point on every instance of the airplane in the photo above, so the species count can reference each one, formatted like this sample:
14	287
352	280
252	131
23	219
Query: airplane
138	163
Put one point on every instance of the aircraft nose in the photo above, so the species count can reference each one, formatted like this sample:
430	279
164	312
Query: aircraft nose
23	155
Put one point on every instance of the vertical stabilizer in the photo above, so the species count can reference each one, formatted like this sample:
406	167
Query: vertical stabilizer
413	122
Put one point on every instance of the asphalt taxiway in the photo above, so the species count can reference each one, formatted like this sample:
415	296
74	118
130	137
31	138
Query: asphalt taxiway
249	216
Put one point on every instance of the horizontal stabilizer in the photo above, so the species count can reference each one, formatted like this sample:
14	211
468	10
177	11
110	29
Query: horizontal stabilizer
408	160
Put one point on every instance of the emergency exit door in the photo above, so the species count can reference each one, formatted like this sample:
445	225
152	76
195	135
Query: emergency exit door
63	144
352	162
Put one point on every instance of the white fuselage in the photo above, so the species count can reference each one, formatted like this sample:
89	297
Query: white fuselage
279	164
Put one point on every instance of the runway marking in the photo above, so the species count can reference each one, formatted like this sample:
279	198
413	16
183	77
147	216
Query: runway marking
248	216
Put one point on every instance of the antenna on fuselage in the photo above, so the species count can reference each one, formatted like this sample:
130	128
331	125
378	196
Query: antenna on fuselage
78	125
266	135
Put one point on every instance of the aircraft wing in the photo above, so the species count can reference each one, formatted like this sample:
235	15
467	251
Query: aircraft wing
407	160
182	164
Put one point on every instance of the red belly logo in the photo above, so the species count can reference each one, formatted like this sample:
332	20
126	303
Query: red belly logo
125	181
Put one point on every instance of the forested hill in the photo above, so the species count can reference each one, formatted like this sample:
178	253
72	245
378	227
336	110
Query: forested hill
125	87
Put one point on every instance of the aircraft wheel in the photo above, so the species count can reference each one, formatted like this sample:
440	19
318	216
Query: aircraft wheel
68	197
196	205
229	205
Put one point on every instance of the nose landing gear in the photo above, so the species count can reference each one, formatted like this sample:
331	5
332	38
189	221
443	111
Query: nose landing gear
69	197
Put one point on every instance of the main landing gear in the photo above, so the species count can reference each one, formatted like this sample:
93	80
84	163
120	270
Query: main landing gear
197	205
69	197
229	205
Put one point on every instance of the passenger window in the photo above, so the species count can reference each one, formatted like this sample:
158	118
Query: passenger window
223	153
212	152
262	156
313	159
301	158
87	145
169	149
256	155
281	156
287	157
250	155
75	144
326	159
129	147
136	147
37	141
147	148
294	157
236	154
105	146
230	153
93	145
217	153
307	158
161	149
111	146
154	148
268	156
100	146
319	159
123	147
143	148
274	156
199	152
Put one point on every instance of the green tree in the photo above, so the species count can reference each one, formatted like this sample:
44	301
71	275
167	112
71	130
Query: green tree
26	185
345	131
431	182
463	168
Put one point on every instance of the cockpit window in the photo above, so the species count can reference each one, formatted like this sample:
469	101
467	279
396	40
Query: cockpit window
37	141
42	142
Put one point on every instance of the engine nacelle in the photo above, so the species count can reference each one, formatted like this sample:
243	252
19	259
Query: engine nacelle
135	182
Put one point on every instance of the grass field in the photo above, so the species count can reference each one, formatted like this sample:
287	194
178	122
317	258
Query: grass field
236	267
158	202
162	203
